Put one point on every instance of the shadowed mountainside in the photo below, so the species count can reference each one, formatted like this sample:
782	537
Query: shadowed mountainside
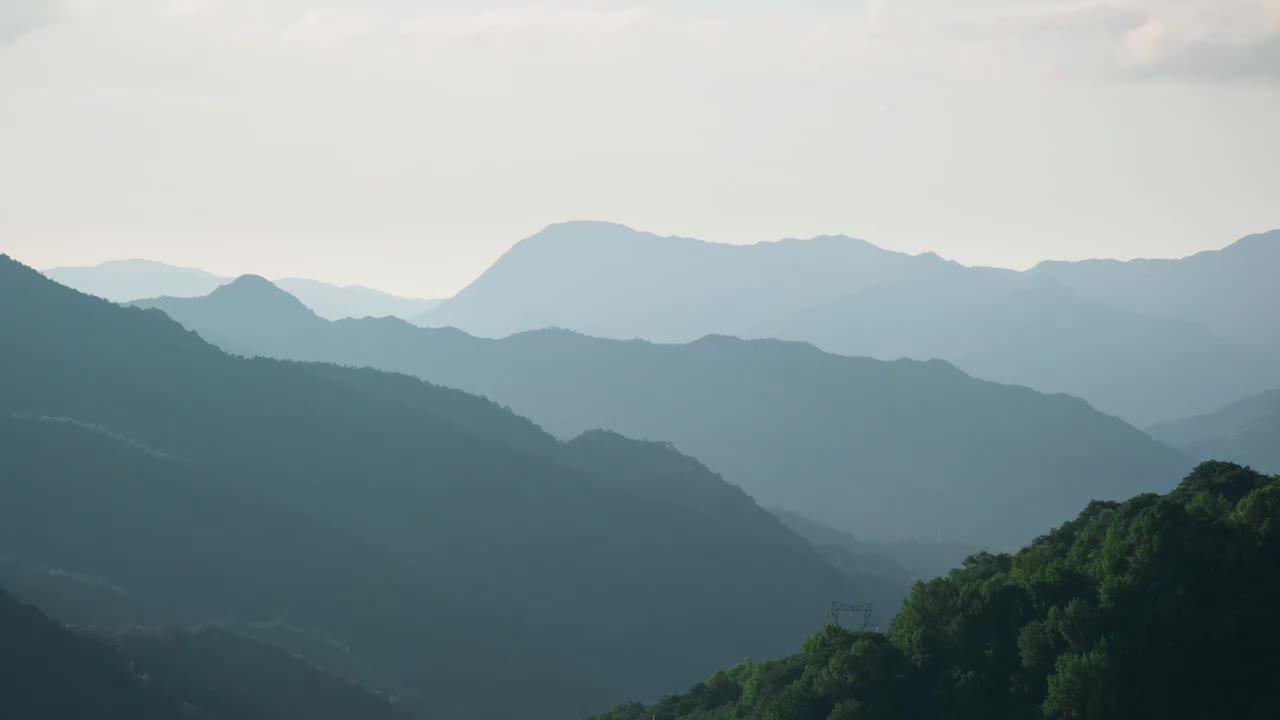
501	519
52	673
55	673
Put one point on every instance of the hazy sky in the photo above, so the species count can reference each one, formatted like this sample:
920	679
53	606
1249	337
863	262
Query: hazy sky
406	145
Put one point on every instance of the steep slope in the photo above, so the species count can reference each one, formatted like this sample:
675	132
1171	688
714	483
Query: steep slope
533	555
1031	330
1229	291
1156	607
891	450
610	281
1245	432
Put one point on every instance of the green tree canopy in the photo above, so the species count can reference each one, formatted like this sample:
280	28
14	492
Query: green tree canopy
1161	606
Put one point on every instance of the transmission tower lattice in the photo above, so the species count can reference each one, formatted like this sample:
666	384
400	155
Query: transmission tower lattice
837	608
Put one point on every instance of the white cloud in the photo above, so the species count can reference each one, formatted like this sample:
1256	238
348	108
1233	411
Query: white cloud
18	17
193	8
323	29
126	117
538	18
1142	38
1214	39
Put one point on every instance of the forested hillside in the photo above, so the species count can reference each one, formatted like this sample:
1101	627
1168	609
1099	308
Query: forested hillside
1160	606
50	672
136	537
230	676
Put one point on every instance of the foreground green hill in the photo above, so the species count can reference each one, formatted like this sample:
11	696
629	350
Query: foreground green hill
1158	607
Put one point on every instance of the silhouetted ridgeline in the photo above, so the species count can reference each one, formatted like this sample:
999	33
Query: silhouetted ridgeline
889	450
1155	607
440	538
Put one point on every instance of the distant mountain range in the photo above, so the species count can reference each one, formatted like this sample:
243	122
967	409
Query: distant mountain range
610	281
440	538
1229	291
1034	331
1246	432
125	280
1146	340
891	450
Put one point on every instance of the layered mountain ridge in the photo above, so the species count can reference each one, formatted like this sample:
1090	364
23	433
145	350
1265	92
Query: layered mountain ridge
857	443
